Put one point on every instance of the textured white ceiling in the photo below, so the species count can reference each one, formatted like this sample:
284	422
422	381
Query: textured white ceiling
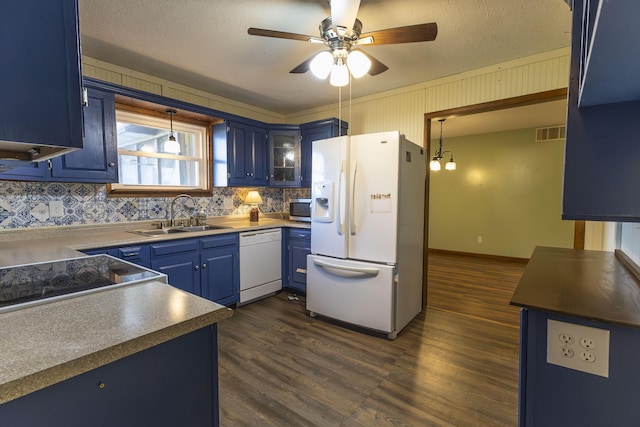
204	43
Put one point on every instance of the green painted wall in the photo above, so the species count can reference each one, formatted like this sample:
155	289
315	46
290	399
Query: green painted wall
507	188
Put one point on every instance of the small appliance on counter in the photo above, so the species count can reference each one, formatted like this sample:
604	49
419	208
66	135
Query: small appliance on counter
300	210
37	283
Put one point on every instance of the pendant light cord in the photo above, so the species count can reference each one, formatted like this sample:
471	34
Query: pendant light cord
339	110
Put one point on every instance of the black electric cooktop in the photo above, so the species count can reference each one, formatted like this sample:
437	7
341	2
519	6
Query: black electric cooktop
26	283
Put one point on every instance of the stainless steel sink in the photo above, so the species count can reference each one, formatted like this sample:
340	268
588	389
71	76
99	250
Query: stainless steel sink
173	230
203	227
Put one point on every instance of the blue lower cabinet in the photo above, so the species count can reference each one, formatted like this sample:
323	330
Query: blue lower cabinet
102	251
219	277
180	261
139	254
171	384
298	246
220	266
208	267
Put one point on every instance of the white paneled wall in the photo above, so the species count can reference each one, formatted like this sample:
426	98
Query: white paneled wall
404	108
122	76
401	109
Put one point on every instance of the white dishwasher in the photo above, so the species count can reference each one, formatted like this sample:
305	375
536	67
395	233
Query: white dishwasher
260	264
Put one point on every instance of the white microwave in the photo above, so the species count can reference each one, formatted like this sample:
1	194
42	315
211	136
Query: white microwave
300	210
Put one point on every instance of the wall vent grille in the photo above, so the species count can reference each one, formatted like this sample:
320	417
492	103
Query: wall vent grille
551	133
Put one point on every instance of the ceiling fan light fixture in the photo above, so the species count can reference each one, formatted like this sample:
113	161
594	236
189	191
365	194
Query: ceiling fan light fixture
339	74
321	65
358	63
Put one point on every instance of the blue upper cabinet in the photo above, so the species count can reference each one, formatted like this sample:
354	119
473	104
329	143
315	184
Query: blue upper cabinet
240	155
41	75
284	156
98	160
610	64
602	153
314	131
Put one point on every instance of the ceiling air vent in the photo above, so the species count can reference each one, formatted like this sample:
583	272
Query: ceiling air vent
551	133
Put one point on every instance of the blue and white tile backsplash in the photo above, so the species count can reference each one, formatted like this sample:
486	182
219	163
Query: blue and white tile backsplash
28	204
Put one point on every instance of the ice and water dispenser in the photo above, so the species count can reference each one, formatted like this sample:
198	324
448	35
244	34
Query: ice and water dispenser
322	201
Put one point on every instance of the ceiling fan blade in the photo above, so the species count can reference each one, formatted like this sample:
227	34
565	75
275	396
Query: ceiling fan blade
344	13
408	34
377	67
283	35
303	67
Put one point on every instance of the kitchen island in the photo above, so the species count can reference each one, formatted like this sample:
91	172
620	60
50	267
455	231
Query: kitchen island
584	288
144	354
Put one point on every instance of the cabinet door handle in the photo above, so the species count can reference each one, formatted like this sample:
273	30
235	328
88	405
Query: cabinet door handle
204	266
196	268
301	270
111	164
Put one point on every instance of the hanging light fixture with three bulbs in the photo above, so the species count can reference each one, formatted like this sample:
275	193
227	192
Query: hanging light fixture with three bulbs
434	165
341	60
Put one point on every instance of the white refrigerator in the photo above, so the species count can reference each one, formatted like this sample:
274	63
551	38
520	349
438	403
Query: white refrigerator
367	227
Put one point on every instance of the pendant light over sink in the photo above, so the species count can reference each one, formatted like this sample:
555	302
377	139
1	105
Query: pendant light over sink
172	145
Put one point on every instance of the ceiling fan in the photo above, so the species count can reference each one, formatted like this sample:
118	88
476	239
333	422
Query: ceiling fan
342	34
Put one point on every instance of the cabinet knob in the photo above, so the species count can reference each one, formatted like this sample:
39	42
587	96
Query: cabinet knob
111	164
204	266
196	268
247	174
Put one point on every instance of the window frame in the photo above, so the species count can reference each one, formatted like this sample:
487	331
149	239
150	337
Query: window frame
156	115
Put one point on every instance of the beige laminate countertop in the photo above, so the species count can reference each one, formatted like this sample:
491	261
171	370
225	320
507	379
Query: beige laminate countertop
48	343
26	246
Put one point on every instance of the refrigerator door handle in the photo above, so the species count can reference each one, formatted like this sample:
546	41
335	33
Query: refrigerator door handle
339	222
342	271
352	208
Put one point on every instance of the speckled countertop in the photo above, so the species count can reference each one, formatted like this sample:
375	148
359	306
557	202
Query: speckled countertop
48	343
25	246
45	344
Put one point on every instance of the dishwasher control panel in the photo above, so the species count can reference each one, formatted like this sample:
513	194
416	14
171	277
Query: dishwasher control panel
260	236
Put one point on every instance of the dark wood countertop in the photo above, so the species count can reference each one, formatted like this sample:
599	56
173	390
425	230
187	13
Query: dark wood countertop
588	284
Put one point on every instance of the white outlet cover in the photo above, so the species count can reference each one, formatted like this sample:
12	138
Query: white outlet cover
598	360
228	203
56	208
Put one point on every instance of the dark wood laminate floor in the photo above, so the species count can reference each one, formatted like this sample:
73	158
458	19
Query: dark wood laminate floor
449	367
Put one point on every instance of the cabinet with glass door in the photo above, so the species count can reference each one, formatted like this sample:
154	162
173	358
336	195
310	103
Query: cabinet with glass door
284	156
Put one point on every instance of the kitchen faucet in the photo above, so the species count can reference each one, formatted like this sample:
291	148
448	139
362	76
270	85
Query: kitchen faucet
172	221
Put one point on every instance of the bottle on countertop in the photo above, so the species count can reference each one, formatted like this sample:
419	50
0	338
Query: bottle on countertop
202	218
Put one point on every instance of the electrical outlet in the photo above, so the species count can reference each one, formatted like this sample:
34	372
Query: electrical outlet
228	203
588	357
56	209
567	341
565	338
587	342
479	239
566	351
